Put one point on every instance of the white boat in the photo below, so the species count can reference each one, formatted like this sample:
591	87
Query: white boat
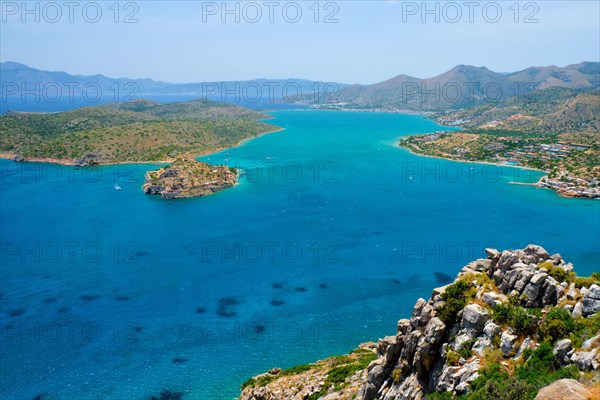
117	187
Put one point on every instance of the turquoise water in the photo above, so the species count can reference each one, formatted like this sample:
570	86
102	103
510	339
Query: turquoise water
330	239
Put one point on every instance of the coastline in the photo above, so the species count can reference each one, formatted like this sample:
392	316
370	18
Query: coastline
71	163
470	161
537	184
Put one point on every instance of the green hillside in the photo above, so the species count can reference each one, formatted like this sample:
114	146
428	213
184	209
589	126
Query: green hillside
138	131
551	111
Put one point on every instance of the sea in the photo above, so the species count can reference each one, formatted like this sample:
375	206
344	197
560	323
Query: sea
331	236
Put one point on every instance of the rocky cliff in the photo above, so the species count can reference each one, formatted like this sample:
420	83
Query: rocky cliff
507	326
186	177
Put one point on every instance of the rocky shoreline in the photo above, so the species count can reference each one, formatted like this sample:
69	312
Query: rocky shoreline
186	178
492	326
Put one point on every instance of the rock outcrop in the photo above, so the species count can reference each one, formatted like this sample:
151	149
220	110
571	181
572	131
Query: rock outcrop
186	177
87	160
438	351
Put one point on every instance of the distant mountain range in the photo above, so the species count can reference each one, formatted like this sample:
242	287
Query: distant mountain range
462	86
20	84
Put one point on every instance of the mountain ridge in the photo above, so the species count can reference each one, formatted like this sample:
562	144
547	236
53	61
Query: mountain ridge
460	87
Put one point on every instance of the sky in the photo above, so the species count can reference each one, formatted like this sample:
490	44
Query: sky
335	41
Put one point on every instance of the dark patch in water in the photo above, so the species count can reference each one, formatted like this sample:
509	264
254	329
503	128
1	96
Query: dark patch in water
323	286
8	327
355	235
168	395
396	281
180	360
137	329
141	253
41	396
50	300
259	328
277	303
276	285
16	312
63	309
442	278
300	289
122	298
377	233
224	304
200	310
89	297
47	276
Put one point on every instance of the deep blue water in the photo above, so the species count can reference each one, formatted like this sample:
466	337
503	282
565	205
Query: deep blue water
329	240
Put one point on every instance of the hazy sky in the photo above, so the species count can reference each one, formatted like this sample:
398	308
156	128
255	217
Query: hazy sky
364	41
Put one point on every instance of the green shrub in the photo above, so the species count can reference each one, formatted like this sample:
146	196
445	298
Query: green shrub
455	299
560	274
396	375
558	324
452	357
585	282
249	383
538	364
538	371
465	349
338	375
510	388
522	320
260	381
298	369
439	396
501	314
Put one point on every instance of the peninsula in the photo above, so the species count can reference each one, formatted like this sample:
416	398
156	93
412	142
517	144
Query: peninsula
131	132
186	177
508	326
555	130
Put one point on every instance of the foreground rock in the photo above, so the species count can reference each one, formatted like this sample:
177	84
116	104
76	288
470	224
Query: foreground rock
186	177
565	389
475	322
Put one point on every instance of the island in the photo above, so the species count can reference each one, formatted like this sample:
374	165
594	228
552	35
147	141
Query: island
186	177
516	325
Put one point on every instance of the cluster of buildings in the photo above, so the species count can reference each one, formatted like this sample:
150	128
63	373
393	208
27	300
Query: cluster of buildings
575	187
540	151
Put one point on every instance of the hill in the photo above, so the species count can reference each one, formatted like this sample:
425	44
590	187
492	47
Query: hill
137	131
552	111
462	86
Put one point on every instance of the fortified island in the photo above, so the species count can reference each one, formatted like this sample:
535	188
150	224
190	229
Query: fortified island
186	177
517	325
